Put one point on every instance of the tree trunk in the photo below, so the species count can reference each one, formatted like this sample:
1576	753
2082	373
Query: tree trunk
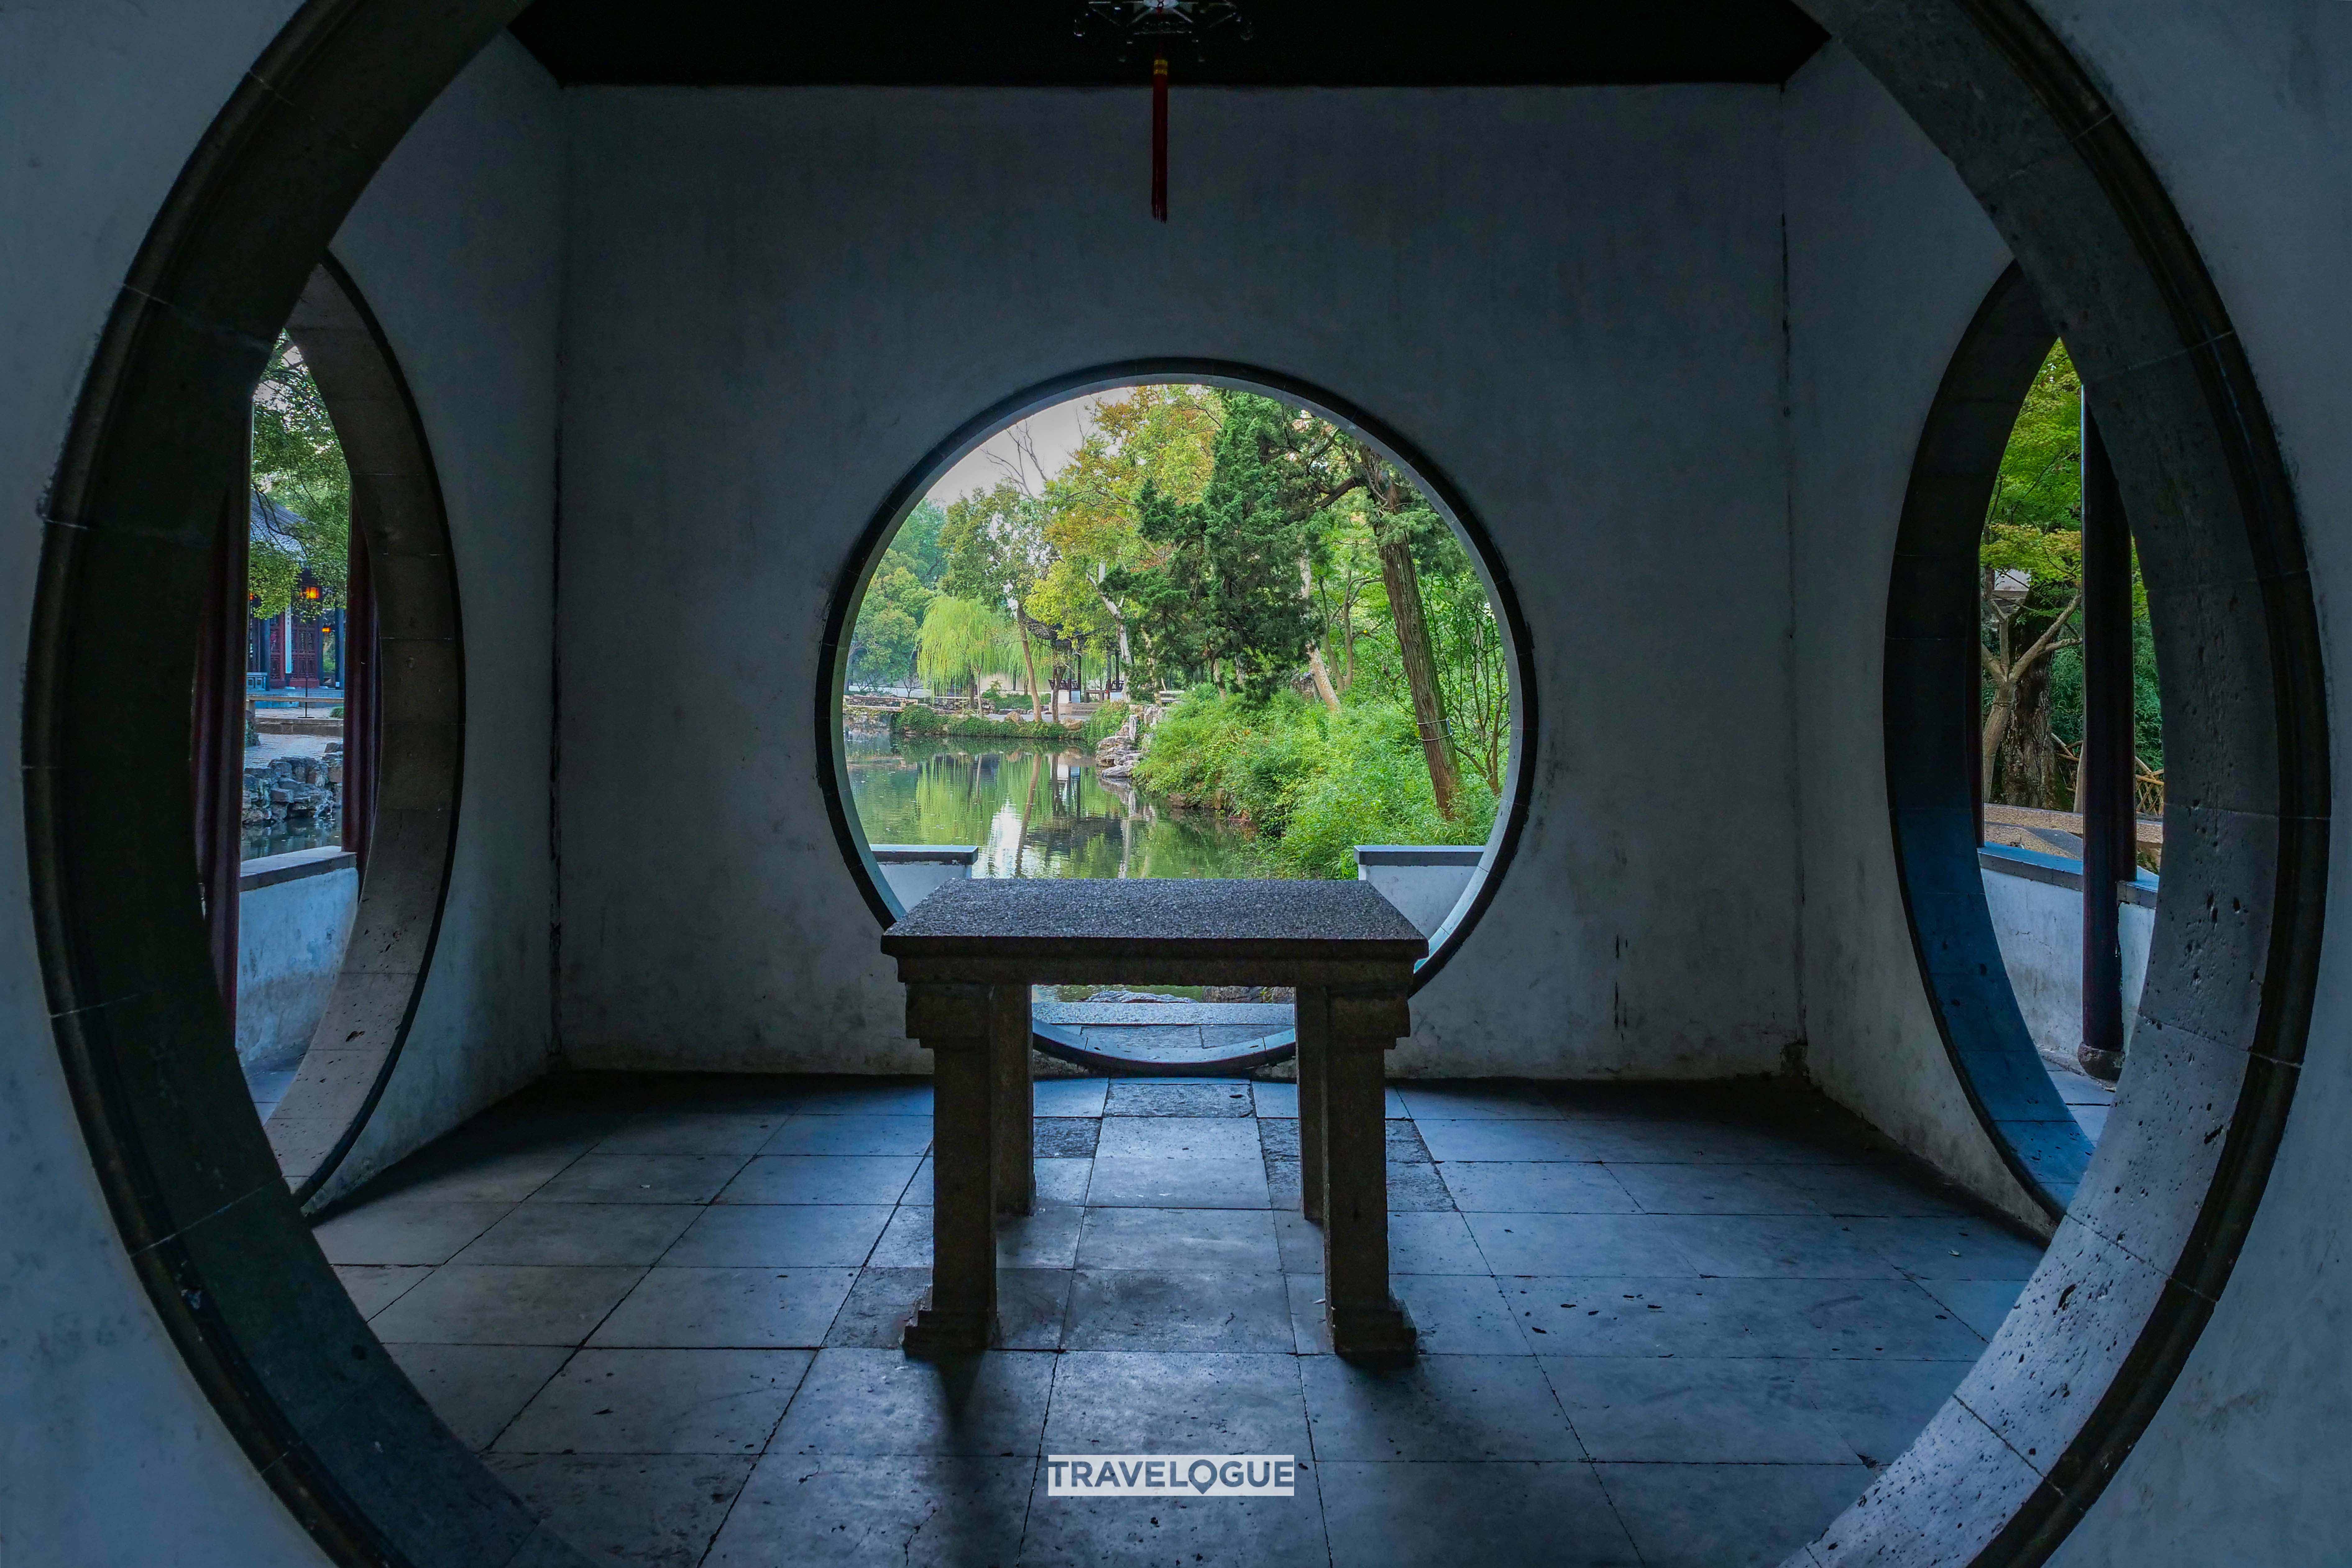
1029	663
1403	583
1315	652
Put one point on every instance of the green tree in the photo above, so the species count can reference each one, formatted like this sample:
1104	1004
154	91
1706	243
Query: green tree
889	626
1224	593
994	545
2030	584
305	487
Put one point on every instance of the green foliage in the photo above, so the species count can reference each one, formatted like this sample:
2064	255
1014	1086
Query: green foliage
300	475
916	721
1224	589
1313	782
1110	716
889	630
963	643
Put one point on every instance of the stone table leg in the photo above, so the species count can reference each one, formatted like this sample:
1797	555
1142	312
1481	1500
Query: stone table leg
1016	1097
1311	1013
1367	1322
951	1021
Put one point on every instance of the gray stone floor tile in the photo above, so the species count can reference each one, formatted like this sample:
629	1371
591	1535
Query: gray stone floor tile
1879	1407
1177	1097
646	1511
1178	1137
1134	1401
823	1178
1805	1247
1805	1318
1496	1138
1543	1244
1982	1304
516	1304
882	1511
1279	1140
1310	1325
1551	1515
1061	1183
878	1097
1240	1240
1282	1185
1140	1183
1418	1189
1070	1096
1688	1410
1459	1314
1302	1242
1713	1190
1065	1137
476	1389
642	1178
443	1175
2091	1119
1155	1309
375	1285
1030	1306
850	1135
1934	1248
405	1230
1115	1533
1428	1243
1875	1192
1530	1186
753	1309
1044	1238
542	1231
857	1401
659	1401
668	1131
754	1234
1440	1408
1466	1100
1280	1101
1727	1516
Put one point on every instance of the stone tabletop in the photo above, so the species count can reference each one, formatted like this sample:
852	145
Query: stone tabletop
1293	917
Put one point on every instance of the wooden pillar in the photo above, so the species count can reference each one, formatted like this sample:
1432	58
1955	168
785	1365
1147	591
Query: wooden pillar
1015	1096
2110	822
1311	1011
951	1021
1366	1323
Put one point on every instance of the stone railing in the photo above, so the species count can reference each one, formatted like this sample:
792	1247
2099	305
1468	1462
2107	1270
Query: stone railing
294	916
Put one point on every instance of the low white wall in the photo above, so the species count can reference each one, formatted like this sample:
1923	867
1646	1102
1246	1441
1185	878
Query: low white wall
291	932
1426	883
2040	927
915	872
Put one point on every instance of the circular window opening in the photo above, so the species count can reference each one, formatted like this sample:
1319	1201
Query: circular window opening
1178	626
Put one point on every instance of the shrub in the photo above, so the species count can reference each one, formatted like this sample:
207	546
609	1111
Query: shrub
1314	783
917	720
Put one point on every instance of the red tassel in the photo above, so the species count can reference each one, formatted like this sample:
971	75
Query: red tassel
1159	137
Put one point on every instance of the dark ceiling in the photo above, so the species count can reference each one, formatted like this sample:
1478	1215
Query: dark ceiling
1296	43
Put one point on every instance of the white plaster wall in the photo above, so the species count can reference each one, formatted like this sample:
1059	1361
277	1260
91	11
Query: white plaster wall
457	246
108	1454
290	947
2039	925
108	1451
1889	257
1569	300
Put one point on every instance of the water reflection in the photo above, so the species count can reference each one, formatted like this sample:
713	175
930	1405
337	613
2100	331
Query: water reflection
1034	813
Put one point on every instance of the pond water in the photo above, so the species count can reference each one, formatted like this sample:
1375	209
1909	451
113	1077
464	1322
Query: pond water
1034	812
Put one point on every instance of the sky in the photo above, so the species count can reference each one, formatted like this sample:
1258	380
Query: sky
1057	431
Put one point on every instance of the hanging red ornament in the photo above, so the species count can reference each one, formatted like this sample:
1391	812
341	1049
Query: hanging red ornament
1159	137
1157	21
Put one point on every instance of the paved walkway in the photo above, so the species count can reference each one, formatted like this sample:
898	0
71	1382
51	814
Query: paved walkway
1660	1327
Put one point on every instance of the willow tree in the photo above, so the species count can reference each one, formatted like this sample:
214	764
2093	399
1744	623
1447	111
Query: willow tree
963	642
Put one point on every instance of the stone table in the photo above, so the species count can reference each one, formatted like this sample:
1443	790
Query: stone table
969	954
